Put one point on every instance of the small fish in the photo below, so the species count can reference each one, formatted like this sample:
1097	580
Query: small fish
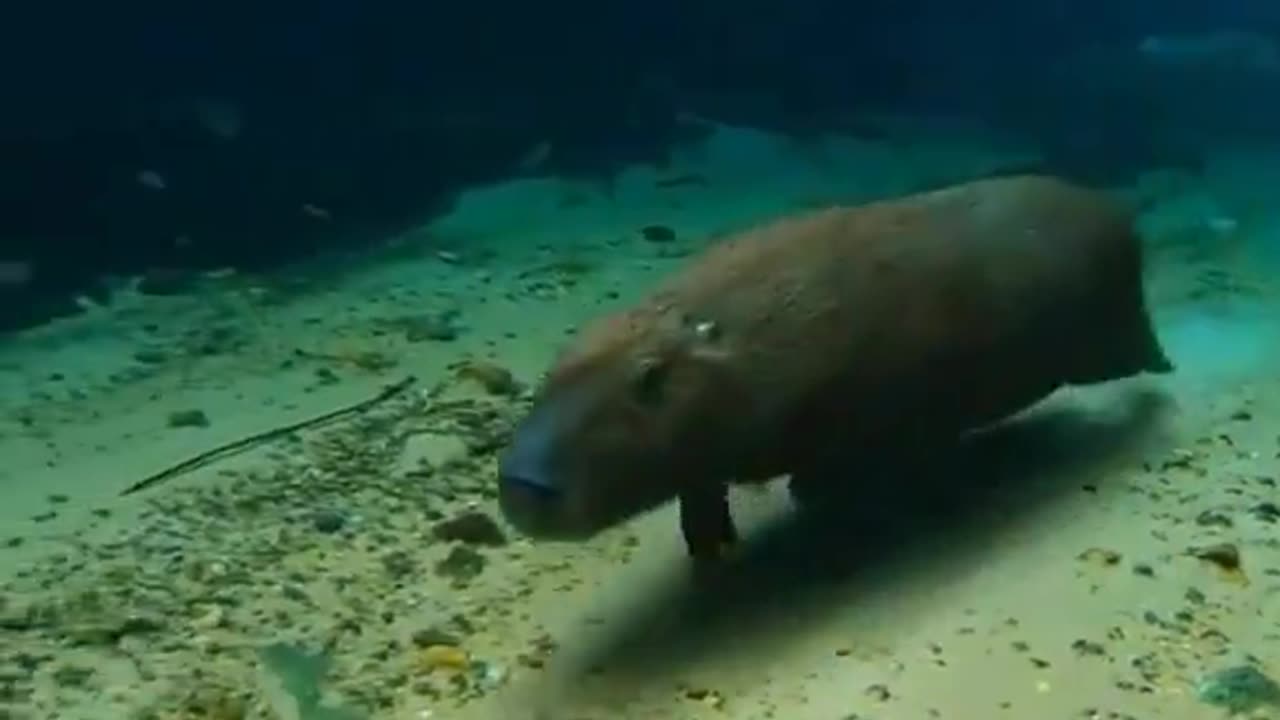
15	274
152	180
535	157
681	181
1224	49
316	212
1222	224
219	117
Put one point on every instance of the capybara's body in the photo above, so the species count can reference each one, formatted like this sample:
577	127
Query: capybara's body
901	323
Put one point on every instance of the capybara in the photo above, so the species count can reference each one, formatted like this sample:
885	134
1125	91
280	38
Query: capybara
903	323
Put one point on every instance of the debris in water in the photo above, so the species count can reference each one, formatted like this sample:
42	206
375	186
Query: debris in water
1100	556
449	658
193	418
1239	689
495	379
301	675
1224	556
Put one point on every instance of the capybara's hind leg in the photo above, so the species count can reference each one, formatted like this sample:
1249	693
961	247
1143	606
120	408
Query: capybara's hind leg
841	478
706	521
805	489
827	475
822	487
1128	345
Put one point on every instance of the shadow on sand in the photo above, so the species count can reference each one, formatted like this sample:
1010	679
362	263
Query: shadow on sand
935	520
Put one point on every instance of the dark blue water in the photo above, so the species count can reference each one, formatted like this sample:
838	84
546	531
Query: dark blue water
381	112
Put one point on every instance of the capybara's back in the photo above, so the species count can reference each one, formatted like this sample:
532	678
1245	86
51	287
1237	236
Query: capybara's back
859	328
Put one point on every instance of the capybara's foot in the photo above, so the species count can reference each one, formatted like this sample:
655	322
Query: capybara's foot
707	525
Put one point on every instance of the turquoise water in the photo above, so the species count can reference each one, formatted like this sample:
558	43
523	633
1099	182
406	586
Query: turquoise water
376	542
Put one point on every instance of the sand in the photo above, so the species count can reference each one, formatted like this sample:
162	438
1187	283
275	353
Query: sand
1049	571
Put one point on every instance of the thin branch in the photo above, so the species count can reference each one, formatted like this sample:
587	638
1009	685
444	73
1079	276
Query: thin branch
252	441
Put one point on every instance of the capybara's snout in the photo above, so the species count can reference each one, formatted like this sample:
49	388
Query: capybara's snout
532	493
583	460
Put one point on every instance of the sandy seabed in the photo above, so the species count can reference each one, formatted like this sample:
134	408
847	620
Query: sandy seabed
1099	559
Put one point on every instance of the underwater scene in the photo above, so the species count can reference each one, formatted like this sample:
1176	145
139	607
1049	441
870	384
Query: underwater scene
640	361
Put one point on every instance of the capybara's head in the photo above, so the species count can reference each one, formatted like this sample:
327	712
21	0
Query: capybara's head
632	411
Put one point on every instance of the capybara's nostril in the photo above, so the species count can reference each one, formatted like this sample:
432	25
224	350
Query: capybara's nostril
529	503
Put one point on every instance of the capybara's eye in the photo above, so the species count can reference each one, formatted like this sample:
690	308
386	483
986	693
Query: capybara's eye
649	384
707	331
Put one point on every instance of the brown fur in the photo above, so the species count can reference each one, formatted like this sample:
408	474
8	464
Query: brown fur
850	329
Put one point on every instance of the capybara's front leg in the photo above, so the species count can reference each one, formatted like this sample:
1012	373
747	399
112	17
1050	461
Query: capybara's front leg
706	522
